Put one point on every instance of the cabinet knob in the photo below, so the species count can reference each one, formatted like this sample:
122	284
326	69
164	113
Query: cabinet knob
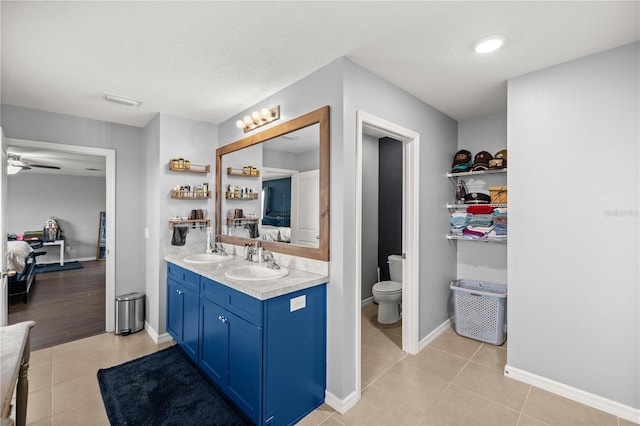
178	291
223	319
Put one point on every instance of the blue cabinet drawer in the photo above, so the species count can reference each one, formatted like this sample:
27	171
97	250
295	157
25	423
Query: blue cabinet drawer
185	277
246	307
213	291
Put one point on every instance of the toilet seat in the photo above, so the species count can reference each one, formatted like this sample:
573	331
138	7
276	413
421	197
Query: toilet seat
386	287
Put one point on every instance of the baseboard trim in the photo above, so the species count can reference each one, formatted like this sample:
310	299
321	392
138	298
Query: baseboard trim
434	334
340	405
157	338
599	403
367	301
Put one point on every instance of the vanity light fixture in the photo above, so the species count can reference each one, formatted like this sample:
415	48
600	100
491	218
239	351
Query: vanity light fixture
258	118
489	43
122	100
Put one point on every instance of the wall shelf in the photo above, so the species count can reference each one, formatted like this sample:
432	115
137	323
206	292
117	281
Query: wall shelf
240	172
479	172
200	222
193	168
481	240
190	195
464	206
252	196
241	220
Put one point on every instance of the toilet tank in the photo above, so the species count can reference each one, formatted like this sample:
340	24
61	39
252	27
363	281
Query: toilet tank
395	267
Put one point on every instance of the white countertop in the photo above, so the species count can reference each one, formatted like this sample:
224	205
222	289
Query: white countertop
262	290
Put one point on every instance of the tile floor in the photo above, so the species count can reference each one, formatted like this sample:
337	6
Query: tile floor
454	381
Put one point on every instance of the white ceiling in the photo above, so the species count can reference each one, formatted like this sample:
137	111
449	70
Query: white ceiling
208	61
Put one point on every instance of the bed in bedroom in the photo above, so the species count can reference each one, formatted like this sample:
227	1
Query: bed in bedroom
21	265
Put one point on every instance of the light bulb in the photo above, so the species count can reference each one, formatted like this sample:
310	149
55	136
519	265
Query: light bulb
240	124
247	120
266	113
256	116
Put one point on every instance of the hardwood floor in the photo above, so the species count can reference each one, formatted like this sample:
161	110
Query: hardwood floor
66	305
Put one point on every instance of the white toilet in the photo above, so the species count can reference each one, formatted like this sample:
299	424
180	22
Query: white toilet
388	294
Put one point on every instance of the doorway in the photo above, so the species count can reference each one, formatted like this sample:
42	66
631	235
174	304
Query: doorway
367	124
110	167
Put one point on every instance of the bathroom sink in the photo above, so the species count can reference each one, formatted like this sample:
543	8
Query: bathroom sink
206	258
255	273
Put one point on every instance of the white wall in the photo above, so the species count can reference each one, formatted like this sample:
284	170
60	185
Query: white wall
482	261
573	225
76	202
197	142
29	124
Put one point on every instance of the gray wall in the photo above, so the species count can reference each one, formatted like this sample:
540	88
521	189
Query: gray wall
573	249
480	261
76	202
23	123
369	215
347	88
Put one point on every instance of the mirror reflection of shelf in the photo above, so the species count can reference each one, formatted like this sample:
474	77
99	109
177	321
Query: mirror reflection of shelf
250	196
241	220
193	195
200	222
193	168
245	171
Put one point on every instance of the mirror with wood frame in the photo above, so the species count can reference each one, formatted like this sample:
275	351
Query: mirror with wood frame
273	187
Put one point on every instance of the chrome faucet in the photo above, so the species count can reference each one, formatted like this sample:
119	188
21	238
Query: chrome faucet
209	249
218	247
267	256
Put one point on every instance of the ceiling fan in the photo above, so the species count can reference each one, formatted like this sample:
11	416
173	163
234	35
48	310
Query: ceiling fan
15	164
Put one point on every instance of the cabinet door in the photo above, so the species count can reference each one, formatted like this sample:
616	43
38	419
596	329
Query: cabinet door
245	372
214	341
190	335
175	309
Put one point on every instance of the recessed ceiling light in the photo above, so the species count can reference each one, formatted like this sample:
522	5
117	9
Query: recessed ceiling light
122	100
489	43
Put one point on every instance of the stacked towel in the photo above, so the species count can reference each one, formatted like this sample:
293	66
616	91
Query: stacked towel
458	222
499	232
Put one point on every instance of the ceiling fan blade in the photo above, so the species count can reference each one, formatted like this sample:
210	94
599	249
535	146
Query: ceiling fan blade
44	166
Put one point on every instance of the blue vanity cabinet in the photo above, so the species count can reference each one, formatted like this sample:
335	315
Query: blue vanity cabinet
183	308
268	356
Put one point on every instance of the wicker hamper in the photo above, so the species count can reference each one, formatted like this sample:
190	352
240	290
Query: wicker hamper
498	194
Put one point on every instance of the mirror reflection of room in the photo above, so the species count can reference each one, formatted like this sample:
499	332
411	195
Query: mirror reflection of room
279	201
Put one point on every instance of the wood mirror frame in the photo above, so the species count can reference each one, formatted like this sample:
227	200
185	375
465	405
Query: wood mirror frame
319	116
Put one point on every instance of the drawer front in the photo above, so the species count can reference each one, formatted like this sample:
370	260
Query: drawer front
213	291
245	306
183	276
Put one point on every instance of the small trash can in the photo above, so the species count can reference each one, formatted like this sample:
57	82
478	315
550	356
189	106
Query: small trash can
129	313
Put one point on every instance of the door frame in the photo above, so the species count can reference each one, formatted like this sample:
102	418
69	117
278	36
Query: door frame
410	241
110	183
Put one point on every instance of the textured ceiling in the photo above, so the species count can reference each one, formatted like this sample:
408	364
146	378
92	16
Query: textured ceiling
208	61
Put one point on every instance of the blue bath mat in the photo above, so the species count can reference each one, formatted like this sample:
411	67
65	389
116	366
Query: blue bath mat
164	388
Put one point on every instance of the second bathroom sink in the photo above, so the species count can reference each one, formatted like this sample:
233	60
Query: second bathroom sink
206	258
255	273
